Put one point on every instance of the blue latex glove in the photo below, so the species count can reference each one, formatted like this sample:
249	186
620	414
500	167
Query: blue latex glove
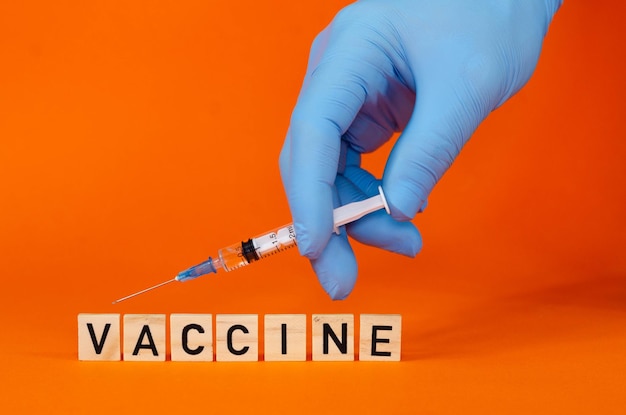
433	69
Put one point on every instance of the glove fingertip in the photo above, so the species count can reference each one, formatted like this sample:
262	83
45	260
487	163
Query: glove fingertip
336	268
337	282
380	230
403	210
412	245
337	291
408	241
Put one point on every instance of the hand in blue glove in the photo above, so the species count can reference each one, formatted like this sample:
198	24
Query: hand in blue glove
433	69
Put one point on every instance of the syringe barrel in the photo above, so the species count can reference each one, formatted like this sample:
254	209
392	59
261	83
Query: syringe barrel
261	246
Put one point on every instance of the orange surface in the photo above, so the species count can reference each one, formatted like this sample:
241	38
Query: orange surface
139	137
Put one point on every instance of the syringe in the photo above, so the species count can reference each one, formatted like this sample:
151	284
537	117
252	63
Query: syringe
277	240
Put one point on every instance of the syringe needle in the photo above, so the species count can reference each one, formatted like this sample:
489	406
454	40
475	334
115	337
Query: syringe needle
143	291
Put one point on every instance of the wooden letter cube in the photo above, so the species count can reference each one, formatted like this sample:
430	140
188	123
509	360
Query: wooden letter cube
191	337
285	337
237	337
144	337
99	337
333	337
380	337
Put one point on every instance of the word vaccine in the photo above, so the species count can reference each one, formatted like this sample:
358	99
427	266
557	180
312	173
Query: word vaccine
191	337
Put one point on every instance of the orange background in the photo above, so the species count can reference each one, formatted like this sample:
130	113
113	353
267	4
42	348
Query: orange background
137	138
